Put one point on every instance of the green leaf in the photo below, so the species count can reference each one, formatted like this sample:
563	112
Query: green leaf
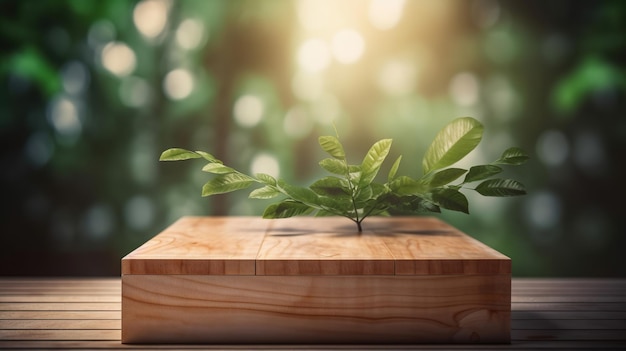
452	143
330	186
413	205
286	209
363	195
443	177
338	204
501	188
217	168
297	193
324	213
378	189
266	192
450	199
481	172
334	166
404	185
373	207
394	169
225	183
332	146
266	179
207	156
513	156
428	206
373	160
177	154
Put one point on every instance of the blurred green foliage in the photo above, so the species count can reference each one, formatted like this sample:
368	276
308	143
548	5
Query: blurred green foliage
92	91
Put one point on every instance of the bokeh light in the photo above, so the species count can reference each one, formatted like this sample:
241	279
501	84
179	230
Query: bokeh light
39	148
91	95
398	77
297	123
314	55
150	17
553	148
385	14
139	212
348	46
63	116
99	222
265	163
190	34
118	58
248	110
178	84
465	89
100	33
135	91
544	210
75	77
307	86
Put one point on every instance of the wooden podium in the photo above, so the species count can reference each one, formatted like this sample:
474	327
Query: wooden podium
305	280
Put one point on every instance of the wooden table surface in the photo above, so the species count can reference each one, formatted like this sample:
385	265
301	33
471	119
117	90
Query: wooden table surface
75	313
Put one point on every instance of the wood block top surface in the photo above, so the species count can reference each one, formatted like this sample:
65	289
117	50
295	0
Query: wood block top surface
313	246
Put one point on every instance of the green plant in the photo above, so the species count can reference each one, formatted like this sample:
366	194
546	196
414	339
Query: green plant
351	191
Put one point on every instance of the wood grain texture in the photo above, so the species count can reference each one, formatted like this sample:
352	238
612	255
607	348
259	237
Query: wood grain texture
315	309
429	246
535	325
314	280
322	246
201	245
313	246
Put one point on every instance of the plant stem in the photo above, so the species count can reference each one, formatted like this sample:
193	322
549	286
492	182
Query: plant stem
358	225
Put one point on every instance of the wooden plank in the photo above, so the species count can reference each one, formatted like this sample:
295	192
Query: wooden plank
572	335
582	292
567	284
58	292
571	298
310	246
71	324
569	306
61	334
570	324
60	298
114	345
59	306
201	245
548	332
315	309
59	283
585	315
42	315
